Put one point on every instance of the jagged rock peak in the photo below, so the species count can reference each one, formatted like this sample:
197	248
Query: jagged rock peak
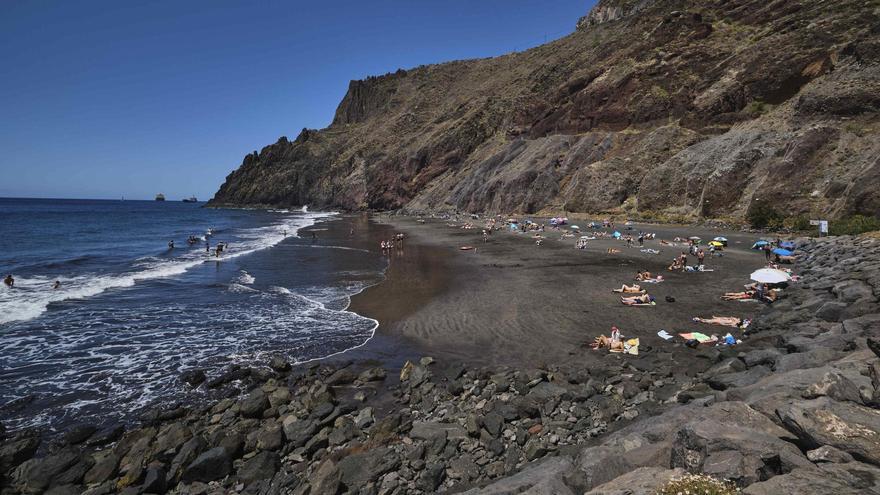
611	10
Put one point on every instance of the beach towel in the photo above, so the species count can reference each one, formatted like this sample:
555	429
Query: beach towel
650	251
631	346
652	281
699	337
652	303
663	334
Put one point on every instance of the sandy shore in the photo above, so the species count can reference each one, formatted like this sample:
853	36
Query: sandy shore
514	303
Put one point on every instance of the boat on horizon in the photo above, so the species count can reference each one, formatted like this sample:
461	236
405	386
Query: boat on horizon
191	199
160	197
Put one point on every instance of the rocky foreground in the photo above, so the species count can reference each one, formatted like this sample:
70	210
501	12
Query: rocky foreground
795	409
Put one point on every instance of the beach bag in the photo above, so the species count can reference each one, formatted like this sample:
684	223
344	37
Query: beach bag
670	299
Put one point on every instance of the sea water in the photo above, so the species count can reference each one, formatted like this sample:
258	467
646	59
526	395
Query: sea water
131	314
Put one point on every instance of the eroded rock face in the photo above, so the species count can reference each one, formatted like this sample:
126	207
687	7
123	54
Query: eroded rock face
688	108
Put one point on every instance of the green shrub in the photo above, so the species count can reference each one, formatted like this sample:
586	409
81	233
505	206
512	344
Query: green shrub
763	216
698	484
799	223
856	224
758	107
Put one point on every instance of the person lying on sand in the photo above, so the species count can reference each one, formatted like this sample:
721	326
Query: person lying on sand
603	342
612	251
734	296
629	289
643	275
727	321
634	300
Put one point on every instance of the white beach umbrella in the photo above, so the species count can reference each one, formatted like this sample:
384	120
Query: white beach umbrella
770	276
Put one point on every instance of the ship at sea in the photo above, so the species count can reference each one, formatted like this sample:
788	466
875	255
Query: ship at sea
191	199
160	197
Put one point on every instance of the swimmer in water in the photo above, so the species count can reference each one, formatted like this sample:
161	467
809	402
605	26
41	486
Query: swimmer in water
56	285
9	281
171	244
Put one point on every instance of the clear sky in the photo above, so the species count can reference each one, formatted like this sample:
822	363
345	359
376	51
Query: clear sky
102	99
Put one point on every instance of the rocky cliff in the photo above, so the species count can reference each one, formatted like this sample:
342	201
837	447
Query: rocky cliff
700	109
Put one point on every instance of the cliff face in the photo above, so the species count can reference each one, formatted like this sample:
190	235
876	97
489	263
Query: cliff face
678	107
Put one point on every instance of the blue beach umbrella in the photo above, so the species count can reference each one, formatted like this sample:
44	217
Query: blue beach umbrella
782	252
759	244
616	235
787	245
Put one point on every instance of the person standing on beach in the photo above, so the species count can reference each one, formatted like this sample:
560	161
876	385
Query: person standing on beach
701	256
767	251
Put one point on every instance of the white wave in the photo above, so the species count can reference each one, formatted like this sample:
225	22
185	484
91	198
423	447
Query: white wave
245	278
32	296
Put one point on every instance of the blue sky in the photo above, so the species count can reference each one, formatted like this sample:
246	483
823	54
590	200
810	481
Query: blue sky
110	99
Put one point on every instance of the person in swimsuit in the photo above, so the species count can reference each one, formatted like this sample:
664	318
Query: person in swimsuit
9	281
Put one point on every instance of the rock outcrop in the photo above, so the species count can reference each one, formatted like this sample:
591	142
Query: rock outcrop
695	109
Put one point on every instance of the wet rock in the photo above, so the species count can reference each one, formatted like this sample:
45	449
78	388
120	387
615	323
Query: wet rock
279	364
235	374
17	450
79	434
194	377
209	466
343	376
37	475
372	375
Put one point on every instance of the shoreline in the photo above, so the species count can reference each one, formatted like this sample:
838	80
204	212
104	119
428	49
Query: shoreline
424	407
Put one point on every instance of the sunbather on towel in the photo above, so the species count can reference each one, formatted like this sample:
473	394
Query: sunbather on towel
727	321
643	275
629	289
636	300
733	296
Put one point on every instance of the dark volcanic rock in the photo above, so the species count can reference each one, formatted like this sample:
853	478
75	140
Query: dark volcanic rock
211	465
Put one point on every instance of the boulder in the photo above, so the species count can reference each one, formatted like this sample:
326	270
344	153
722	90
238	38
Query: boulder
827	453
641	481
343	376
372	375
209	466
17	450
846	426
428	430
154	480
279	364
356	470
254	404
431	477
79	434
852	478
194	377
834	385
541	478
259	467
810	359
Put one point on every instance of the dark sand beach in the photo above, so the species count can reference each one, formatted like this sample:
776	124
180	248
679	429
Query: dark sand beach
511	302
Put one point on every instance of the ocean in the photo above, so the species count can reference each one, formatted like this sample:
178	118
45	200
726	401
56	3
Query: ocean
131	314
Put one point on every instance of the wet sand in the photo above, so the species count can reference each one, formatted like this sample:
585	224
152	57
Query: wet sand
514	303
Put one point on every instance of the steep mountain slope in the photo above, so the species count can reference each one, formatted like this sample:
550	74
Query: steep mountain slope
680	107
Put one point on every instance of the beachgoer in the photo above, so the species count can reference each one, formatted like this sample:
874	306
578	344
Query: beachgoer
615	335
767	251
633	300
314	235
629	289
207	246
56	285
171	244
701	256
733	296
727	321
641	239
9	281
